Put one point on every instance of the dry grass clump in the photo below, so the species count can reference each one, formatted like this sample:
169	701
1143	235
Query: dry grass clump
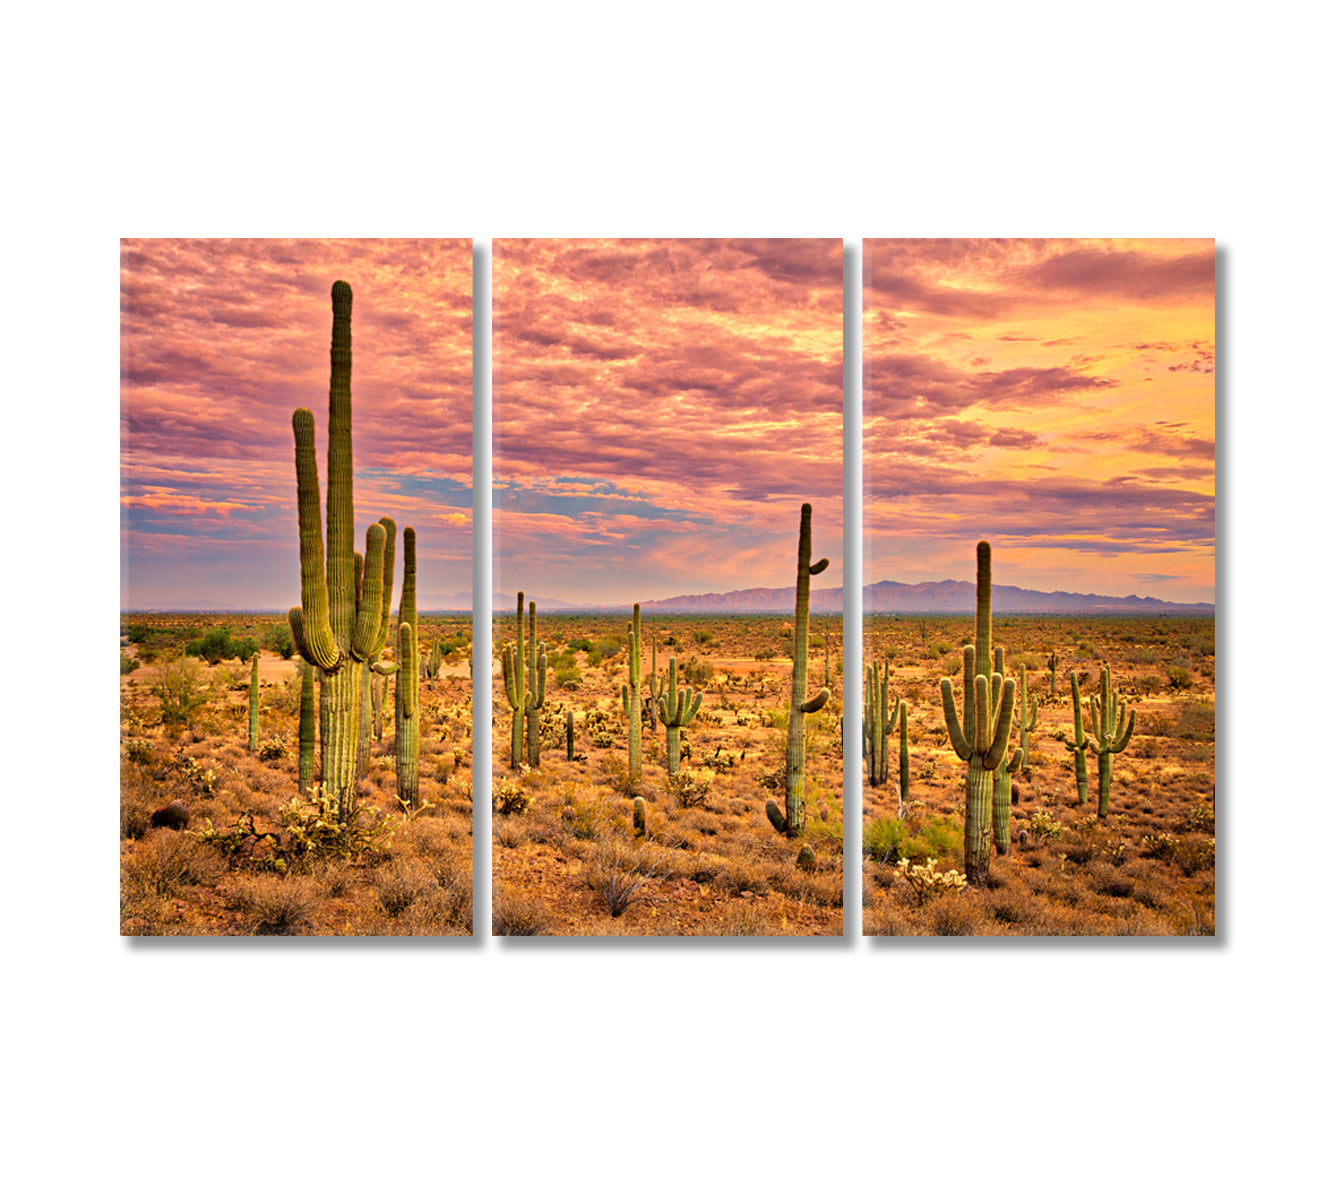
275	904
519	916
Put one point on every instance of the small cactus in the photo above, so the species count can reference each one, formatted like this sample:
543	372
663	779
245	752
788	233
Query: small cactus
905	765
641	821
1112	727
569	736
1027	714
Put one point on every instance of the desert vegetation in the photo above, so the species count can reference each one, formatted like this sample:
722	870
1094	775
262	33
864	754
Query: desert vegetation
990	827
586	844
220	839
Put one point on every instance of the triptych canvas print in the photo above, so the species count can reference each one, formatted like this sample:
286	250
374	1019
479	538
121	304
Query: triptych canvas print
1031	712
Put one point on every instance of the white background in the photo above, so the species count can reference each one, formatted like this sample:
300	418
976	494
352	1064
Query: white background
834	1069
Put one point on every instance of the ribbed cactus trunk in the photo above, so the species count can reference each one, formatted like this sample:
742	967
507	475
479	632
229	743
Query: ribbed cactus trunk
569	736
335	625
254	703
878	724
407	712
677	709
631	700
537	688
305	761
792	821
1001	793
1028	715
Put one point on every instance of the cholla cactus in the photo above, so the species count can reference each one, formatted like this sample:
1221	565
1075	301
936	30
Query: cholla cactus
336	623
926	882
677	709
792	821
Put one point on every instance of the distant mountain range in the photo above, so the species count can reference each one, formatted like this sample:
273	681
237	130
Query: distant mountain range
944	596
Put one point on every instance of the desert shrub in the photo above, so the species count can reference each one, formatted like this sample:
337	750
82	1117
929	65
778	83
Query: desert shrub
399	885
690	788
279	640
1201	819
705	636
619	874
926	883
508	797
138	750
1195	723
607	647
518	916
200	779
1154	724
1179	677
127	664
182	687
951	917
218	644
276	905
567	677
696	672
165	861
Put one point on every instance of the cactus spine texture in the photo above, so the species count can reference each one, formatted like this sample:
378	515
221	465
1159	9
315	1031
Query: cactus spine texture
878	721
792	822
335	624
305	761
677	709
407	709
982	739
511	665
254	703
1112	727
630	698
537	689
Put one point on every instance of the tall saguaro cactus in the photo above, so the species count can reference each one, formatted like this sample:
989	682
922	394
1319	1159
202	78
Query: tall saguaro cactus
630	697
254	702
878	720
792	821
905	766
407	690
537	691
511	666
1112	727
334	626
677	709
1081	743
1001	792
983	738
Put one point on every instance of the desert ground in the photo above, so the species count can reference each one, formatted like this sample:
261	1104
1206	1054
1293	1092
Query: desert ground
1148	868
184	740
566	858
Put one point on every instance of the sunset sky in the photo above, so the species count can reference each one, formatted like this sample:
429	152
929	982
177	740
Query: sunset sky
661	410
220	342
1055	398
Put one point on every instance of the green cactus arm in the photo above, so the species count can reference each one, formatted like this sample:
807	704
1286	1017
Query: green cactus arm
383	668
1080	740
893	710
319	640
982	734
667	703
816	568
387	586
1124	740
538	697
1000	743
692	704
1016	761
817	702
358	574
997	674
507	670
969	708
963	747
368	612
296	623
625	700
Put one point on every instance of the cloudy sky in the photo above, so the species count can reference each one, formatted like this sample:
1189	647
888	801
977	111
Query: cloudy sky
220	342
1055	398
661	411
